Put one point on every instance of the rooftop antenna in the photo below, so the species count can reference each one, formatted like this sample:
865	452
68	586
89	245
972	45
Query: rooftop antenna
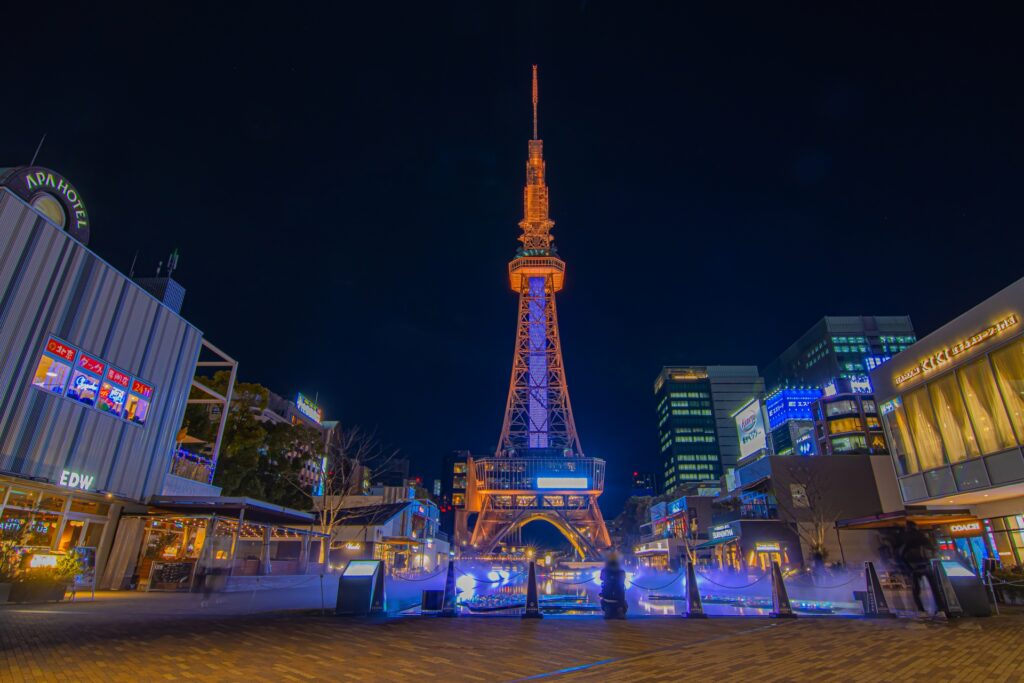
172	262
131	273
38	147
534	101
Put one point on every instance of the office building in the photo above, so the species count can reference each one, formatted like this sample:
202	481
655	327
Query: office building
696	430
846	421
846	347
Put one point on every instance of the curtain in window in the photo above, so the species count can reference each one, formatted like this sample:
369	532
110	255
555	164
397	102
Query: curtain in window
991	425
924	429
1009	365
899	438
957	434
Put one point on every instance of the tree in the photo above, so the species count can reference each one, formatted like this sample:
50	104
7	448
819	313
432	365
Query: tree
803	496
283	475
349	456
238	466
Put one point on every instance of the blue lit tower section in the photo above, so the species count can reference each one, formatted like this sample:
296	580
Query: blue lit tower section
538	470
537	435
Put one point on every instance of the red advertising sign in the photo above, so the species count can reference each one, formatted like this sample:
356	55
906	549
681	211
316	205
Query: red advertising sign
117	377
90	364
141	389
61	349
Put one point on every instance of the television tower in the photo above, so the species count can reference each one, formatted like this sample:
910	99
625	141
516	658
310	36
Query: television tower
539	470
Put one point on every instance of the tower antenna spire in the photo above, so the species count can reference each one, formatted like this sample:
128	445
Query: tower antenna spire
534	101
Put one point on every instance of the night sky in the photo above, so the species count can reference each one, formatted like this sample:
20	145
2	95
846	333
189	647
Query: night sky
345	188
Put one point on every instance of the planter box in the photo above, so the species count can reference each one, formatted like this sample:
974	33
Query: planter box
37	592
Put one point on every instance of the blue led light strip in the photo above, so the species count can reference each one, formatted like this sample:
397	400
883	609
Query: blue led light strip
538	365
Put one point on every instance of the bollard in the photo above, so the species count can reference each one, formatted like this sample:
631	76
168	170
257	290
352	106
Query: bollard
876	602
448	606
532	602
694	607
781	609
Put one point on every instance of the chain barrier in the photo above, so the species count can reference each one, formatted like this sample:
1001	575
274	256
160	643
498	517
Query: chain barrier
657	588
425	578
567	583
722	585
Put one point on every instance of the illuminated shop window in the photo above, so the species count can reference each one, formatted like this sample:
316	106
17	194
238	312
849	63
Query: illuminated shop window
1009	366
846	424
846	407
137	407
85	381
991	425
114	392
956	431
924	429
849	444
458	499
55	366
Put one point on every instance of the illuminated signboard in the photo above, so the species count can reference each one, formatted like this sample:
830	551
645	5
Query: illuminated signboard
950	353
309	408
767	546
66	370
361	568
52	195
721	531
113	392
965	529
74	480
750	428
562	482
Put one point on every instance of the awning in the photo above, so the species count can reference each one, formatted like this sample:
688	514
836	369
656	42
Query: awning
255	510
923	517
716	541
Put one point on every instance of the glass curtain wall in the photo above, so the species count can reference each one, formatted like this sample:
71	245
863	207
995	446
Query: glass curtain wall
1009	366
951	416
925	429
899	437
991	425
976	410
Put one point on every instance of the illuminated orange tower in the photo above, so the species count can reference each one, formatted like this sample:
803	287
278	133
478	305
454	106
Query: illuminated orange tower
539	470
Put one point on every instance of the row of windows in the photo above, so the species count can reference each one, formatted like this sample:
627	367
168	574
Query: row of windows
977	409
849	340
690	394
694	430
695	439
692	457
898	340
680	412
851	349
695	468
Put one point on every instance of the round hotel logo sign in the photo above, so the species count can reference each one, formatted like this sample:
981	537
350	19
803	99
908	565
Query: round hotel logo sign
52	195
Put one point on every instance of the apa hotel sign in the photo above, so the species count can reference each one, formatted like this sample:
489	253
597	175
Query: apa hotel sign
949	354
49	193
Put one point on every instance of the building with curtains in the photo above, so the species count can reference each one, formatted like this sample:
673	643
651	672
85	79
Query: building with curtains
952	406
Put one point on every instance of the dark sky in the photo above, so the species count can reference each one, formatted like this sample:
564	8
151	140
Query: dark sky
344	185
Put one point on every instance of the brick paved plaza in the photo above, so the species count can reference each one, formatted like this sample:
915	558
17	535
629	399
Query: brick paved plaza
146	639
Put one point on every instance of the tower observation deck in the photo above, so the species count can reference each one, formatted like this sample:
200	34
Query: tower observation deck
539	470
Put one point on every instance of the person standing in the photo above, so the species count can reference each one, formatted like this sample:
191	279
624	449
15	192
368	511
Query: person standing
916	552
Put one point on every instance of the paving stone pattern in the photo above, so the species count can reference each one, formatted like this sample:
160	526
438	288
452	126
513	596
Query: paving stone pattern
110	643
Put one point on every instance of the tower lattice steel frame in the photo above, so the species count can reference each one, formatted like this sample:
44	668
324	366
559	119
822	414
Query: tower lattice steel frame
539	470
